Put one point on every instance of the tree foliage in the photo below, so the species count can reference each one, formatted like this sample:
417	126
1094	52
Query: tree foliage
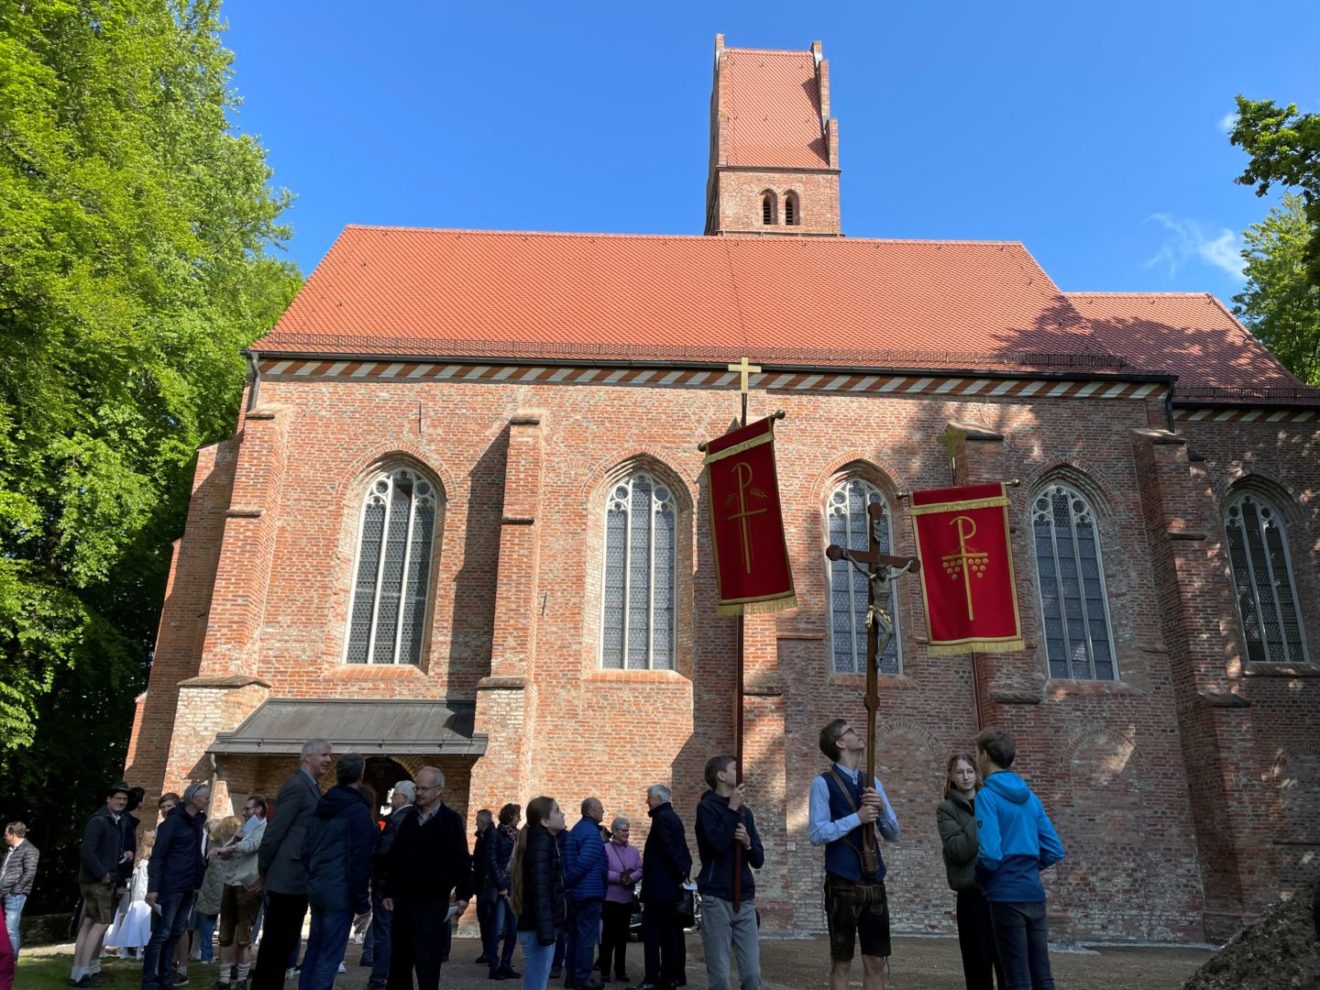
135	231
1284	146
1279	302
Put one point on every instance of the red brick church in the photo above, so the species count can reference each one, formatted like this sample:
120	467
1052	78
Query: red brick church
460	522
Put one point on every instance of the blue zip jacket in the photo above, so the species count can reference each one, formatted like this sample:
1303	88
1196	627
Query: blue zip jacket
337	849
1015	840
176	865
717	846
585	865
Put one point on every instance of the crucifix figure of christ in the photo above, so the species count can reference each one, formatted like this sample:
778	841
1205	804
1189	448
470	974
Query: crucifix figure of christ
880	569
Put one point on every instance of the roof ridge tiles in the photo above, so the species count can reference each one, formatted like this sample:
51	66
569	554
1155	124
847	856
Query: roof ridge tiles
1145	295
965	242
797	52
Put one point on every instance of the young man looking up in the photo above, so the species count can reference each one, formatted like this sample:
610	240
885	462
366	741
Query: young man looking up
725	824
856	903
1016	841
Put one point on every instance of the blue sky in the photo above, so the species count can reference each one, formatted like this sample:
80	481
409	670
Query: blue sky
1094	133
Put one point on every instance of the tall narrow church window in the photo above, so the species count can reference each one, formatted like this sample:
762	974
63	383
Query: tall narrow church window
1263	581
847	524
768	209
387	615
637	624
1074	604
791	209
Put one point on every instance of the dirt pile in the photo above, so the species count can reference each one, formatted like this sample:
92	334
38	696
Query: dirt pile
1277	952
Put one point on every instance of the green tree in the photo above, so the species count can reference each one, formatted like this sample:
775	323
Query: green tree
1284	146
136	237
1279	302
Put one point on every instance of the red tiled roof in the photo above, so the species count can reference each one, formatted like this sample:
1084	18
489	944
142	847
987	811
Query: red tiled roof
773	112
1192	335
865	303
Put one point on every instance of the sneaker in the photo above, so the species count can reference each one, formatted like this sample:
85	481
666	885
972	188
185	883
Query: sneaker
289	974
180	979
481	960
341	969
510	973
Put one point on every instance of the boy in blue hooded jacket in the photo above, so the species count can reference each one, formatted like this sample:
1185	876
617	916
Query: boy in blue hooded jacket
1016	841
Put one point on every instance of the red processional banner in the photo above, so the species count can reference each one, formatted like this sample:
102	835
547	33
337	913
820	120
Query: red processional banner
746	526
967	569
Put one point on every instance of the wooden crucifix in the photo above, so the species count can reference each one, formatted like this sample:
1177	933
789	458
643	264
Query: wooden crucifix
880	569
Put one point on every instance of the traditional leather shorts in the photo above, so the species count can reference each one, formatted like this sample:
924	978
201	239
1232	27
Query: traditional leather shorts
856	912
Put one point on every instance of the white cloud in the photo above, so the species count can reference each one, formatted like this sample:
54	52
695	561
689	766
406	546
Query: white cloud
1228	121
1189	241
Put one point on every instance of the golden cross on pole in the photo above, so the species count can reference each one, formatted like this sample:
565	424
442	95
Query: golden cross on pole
949	440
745	370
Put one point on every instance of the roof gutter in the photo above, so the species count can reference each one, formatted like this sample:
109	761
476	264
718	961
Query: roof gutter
254	377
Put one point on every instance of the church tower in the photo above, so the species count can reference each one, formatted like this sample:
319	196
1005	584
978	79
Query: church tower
774	148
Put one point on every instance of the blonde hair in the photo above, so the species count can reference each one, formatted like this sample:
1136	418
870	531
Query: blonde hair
223	829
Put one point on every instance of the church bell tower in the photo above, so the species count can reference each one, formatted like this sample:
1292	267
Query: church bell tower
774	148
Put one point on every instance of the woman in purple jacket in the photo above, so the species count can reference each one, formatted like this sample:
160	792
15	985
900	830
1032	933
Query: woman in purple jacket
624	869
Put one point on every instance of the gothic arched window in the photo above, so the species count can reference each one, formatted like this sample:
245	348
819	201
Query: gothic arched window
1263	581
768	209
791	217
637	622
846	524
1074	604
387	614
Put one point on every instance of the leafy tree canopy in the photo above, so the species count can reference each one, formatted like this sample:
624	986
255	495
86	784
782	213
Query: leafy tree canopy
135	227
1284	146
1279	302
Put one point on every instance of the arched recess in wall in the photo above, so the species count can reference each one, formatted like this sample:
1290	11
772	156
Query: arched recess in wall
769	208
792	209
1072	596
1260	521
639	568
397	532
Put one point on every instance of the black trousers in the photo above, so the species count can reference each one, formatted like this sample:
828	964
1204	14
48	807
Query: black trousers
418	942
280	934
616	919
665	950
976	940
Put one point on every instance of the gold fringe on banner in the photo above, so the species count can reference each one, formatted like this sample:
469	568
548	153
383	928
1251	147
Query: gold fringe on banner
975	646
757	607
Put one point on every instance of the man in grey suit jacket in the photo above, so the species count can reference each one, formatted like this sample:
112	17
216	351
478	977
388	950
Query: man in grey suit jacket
281	868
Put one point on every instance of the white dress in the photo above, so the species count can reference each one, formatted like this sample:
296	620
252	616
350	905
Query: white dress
132	929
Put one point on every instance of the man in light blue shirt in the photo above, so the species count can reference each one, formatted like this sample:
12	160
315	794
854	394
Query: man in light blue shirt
856	905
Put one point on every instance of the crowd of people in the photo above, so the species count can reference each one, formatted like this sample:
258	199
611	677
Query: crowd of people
567	896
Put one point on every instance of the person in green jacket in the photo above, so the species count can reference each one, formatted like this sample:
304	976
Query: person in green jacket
957	821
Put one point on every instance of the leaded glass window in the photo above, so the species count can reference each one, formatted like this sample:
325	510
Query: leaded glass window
847	522
1074	604
637	624
387	616
1263	581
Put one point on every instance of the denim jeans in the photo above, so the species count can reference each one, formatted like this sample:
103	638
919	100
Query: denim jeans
1024	944
326	942
536	961
721	927
204	925
381	919
503	935
583	934
14	917
167	928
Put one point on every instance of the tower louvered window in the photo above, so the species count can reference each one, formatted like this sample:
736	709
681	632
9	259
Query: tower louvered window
387	615
641	528
790	209
847	523
767	209
1074	604
1263	581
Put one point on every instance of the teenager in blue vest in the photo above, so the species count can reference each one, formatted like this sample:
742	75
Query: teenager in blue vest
856	906
1015	841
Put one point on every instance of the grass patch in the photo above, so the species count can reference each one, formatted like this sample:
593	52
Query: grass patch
52	973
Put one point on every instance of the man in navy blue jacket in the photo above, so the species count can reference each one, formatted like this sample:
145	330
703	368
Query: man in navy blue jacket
585	869
174	873
1015	842
666	863
336	849
725	825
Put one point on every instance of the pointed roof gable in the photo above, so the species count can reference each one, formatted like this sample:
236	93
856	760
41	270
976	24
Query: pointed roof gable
771	109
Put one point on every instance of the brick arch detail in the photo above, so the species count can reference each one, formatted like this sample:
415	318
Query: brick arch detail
1273	490
417	457
1075	474
615	467
864	463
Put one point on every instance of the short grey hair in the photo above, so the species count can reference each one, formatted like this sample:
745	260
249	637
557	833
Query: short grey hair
658	791
194	789
437	776
312	745
619	823
408	789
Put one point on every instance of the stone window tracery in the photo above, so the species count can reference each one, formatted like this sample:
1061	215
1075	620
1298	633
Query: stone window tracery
638	615
1263	581
387	613
1074	603
846	524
